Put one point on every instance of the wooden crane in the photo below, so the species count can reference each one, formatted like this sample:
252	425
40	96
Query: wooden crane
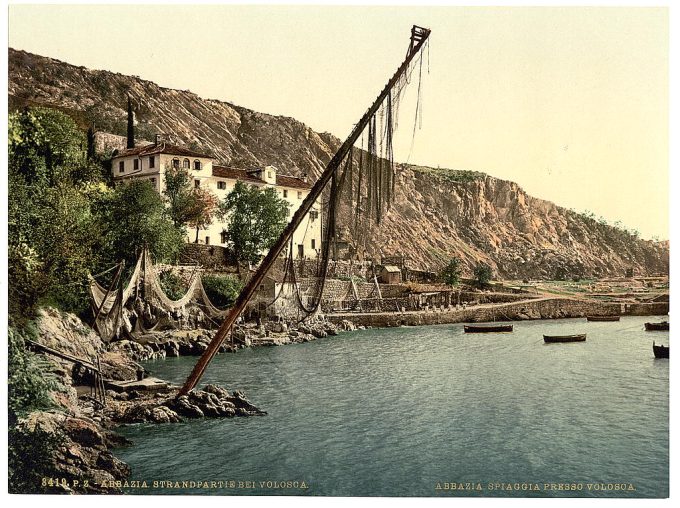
419	36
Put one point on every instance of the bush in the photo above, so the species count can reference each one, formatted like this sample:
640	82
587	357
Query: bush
482	274
172	285
28	379
451	272
29	384
222	289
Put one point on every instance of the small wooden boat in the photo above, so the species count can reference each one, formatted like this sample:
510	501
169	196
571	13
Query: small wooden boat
487	328
603	318
564	338
653	327
661	351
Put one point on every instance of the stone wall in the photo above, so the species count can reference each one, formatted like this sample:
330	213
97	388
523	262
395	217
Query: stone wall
544	308
212	257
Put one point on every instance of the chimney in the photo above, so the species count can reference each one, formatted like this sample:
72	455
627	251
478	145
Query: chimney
304	177
158	139
130	125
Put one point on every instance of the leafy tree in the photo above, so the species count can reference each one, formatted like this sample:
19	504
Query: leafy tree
188	205
256	219
134	216
222	290
482	274
50	225
205	207
45	145
451	272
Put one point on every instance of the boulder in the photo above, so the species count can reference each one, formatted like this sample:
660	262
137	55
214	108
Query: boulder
84	432
183	407
116	468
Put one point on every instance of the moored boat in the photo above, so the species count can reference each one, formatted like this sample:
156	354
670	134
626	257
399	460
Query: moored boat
653	327
487	328
580	337
603	318
661	351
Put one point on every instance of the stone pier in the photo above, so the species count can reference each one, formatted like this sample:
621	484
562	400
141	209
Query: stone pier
539	308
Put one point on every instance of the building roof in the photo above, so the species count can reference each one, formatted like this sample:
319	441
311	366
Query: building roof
291	181
161	147
234	174
391	269
247	176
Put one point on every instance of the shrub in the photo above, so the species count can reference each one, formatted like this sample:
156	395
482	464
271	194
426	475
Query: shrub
482	274
172	285
29	384
222	289
451	272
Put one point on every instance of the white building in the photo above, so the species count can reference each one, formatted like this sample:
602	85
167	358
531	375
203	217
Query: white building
149	162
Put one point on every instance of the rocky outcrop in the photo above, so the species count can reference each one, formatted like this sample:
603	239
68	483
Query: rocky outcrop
438	213
82	430
211	402
82	461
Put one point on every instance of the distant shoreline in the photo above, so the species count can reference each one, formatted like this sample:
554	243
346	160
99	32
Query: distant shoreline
531	309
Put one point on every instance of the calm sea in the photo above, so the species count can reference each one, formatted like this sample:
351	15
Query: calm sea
402	411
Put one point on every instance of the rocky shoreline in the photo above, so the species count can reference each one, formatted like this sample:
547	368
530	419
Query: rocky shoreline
84	430
173	343
84	462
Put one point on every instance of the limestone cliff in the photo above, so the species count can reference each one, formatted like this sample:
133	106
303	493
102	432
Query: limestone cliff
437	213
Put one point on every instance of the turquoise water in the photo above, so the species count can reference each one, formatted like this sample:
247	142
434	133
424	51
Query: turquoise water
395	412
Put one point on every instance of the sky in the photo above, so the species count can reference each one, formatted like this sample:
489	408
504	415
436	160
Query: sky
569	102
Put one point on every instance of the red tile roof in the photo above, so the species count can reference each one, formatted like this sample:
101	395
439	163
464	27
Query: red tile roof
162	147
291	181
234	174
246	176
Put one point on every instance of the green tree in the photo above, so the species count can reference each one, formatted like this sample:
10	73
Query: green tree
134	216
188	204
451	272
482	274
256	219
50	225
45	145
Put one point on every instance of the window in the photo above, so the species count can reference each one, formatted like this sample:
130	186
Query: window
223	237
285	193
197	183
121	167
313	243
175	163
299	194
222	186
301	251
269	175
313	215
197	165
152	162
207	240
153	182
186	164
135	164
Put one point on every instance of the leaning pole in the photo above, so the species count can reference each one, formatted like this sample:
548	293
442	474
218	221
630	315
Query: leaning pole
419	36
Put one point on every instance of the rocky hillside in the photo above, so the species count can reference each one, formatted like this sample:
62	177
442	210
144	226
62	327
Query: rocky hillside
437	214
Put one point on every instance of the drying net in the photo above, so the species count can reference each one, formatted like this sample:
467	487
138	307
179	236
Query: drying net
142	305
364	184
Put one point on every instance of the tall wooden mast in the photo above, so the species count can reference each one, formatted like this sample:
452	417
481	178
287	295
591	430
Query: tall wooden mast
419	36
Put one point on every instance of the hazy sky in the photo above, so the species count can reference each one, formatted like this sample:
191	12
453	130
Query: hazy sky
571	103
